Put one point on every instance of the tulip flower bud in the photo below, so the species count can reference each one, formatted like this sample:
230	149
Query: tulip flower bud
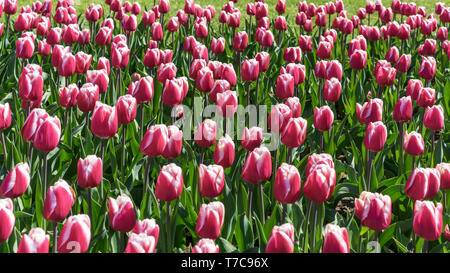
121	213
318	159
336	240
205	134
427	68
104	36
285	86
126	107
140	243
7	219
374	210
427	220
31	83
442	34
294	104
375	136
224	152
305	43
211	180
250	70
251	138
5	116
210	220
403	63
170	183
75	234
279	117
292	54
24	48
422	183
205	246
294	133
392	55
228	74
166	71
413	88
33	121
324	50
174	142
143	92
384	73
320	183
36	241
58	202
358	60
87	97
89	171
444	171
44	48
99	78
258	166
240	41
426	97
154	141
104	121
323	118
370	111
332	90
47	135
447	233
403	109
281	239
103	64
16	181
220	86
320	70
68	95
434	118
218	45
287	184
148	227
413	143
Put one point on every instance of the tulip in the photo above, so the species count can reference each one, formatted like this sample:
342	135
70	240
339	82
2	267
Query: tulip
442	34
374	210
285	86
82	62
47	135
320	183
426	97
205	79
413	88
323	118
218	45
157	32
219	86
121	214
263	59
58	202
5	116
144	90
251	138
140	243
70	33
403	63
99	78
24	48
120	55
279	117
154	141
413	143
152	57
294	133
210	220
324	50
126	107
257	166
447	233
292	54
148	227
224	152
287	185
103	64
384	73
240	41
422	183
75	234
403	109
444	171
33	121
174	91
7	219
211	180
205	246
250	70
427	220
294	104
281	239
205	134
87	97
166	72
174	142
104	121
332	90
16	181
358	60
392	55
320	70
44	48
370	111
103	36
375	136
170	183
305	43
89	171
228	74
336	240
434	118
427	68
36	241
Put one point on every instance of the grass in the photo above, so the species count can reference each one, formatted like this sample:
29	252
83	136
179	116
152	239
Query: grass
351	6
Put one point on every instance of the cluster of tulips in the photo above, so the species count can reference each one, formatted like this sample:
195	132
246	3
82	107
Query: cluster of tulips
122	65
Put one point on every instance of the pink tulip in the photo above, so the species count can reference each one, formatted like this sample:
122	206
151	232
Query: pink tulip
58	201
422	183
427	220
281	239
154	141
374	210
205	246
89	171
170	183
286	188
16	181
211	180
75	234
36	241
210	220
336	240
121	213
257	166
104	121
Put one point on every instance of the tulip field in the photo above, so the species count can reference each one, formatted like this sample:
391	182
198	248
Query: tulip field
194	126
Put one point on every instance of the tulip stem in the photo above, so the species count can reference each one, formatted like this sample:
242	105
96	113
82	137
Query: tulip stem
425	246
308	214
376	238
413	163
257	89
4	147
102	154
147	170
369	169
313	237
432	148
249	201
401	147
283	215
321	142
124	136
168	227
90	203
421	120
444	200
122	241
55	237
248	94
261	203
44	180
66	117
203	155
142	120
87	125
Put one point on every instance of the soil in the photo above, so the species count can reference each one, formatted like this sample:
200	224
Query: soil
346	204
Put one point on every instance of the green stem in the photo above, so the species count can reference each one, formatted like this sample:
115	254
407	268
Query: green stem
313	237
4	147
90	203
168	227
44	180
261	204
102	154
249	201
308	215
55	237
401	147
